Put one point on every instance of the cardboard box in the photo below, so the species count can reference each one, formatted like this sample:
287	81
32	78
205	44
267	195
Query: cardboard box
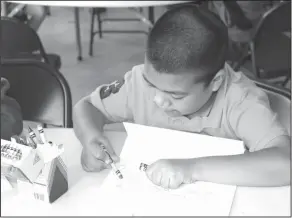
40	172
20	162
51	184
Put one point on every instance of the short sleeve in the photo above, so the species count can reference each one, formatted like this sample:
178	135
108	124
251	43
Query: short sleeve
254	122
113	100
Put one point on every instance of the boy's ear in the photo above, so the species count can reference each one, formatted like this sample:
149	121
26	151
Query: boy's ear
217	80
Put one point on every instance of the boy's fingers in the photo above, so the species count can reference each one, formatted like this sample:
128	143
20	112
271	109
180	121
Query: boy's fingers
165	181
106	143
96	150
90	163
149	171
157	178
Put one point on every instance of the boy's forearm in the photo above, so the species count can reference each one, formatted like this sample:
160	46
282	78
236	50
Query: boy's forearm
88	121
268	167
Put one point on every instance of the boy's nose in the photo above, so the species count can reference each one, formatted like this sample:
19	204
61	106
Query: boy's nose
161	101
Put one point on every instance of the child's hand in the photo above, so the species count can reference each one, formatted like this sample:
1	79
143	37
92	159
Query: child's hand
170	173
94	158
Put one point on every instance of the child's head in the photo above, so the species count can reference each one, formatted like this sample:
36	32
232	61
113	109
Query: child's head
186	49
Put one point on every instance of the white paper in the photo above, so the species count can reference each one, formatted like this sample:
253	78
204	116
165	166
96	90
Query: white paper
136	195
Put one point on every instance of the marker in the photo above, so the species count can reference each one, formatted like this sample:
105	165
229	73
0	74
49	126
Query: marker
22	141
3	148
32	136
143	167
14	139
117	171
42	134
30	143
15	152
18	155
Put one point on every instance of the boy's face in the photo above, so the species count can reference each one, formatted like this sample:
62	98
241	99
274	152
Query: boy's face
178	95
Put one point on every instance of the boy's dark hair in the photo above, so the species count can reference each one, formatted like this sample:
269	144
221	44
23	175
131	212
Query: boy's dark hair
188	38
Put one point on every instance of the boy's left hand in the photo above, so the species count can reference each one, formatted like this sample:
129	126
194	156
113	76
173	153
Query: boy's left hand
170	173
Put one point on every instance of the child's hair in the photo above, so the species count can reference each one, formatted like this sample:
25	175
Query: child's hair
188	38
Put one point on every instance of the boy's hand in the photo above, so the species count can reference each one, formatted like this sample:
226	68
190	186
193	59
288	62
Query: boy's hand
94	158
170	173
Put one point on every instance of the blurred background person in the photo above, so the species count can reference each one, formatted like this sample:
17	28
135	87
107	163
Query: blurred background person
33	15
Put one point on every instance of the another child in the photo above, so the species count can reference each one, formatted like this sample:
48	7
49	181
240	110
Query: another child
11	116
185	84
33	15
240	17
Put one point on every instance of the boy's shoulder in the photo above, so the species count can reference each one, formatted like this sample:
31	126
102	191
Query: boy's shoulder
134	75
240	89
133	78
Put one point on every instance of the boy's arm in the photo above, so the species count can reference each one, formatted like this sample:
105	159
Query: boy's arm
267	167
107	104
88	121
268	161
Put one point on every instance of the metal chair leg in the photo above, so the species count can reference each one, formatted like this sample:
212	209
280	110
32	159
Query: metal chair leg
99	22
91	32
253	60
78	35
151	17
48	10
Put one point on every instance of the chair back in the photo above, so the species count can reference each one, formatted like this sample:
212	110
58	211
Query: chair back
42	92
276	20
280	101
20	40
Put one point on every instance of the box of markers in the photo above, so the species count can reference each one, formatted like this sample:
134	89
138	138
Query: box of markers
20	162
51	184
36	165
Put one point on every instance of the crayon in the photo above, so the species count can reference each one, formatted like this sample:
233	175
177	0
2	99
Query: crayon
42	134
32	136
143	167
114	167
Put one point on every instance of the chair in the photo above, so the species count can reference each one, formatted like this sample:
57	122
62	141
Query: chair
42	92
270	49
280	101
96	14
19	40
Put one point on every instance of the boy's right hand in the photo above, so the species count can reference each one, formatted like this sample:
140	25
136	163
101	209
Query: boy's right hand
94	158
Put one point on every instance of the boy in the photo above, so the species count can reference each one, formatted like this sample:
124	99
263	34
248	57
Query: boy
186	85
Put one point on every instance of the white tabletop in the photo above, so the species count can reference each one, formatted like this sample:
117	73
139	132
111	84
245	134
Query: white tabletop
107	4
84	187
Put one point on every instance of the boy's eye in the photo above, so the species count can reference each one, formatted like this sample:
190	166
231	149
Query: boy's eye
177	96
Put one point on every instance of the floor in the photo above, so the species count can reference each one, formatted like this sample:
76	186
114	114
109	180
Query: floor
114	54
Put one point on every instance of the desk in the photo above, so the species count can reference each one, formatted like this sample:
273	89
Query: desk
104	4
84	187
